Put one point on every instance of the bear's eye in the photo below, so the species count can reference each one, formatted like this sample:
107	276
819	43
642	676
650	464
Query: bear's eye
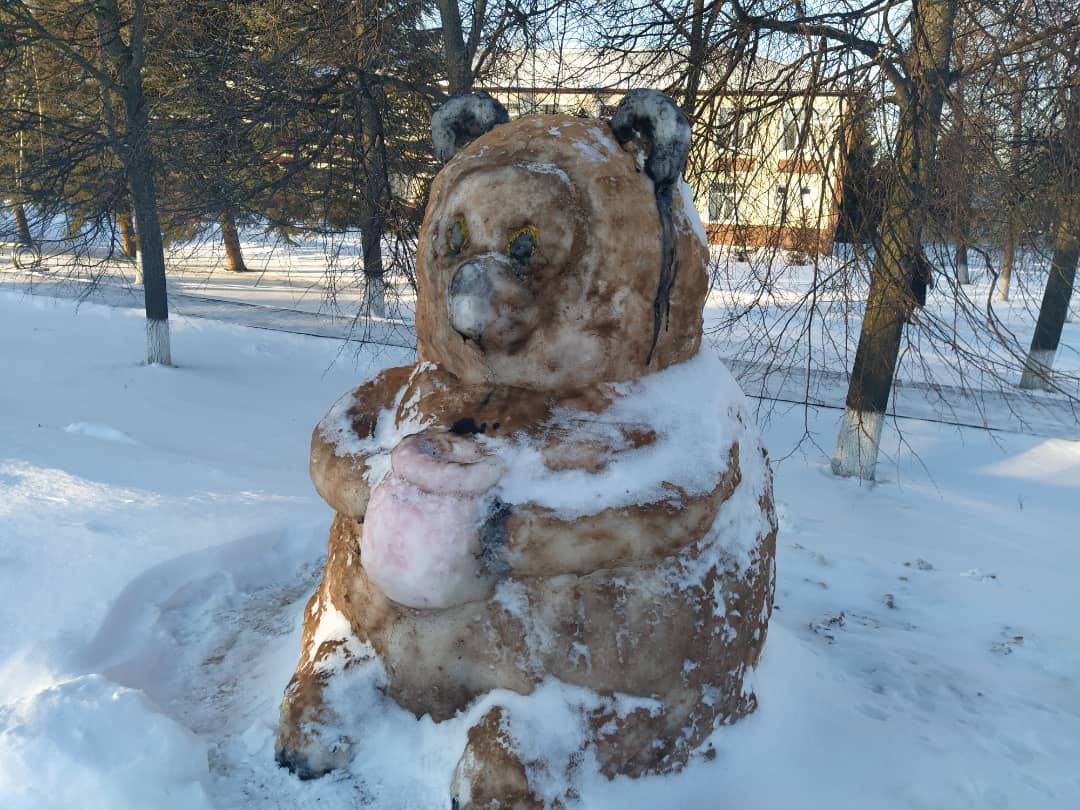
457	236
522	244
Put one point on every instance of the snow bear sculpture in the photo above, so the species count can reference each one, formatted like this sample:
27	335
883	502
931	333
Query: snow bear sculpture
564	492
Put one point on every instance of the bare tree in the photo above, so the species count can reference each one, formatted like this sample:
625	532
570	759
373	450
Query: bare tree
1055	303
896	277
893	63
915	61
1012	212
459	51
1062	150
477	36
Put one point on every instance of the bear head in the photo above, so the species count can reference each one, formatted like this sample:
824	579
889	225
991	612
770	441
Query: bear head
545	260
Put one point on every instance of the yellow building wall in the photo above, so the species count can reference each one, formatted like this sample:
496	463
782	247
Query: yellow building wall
756	189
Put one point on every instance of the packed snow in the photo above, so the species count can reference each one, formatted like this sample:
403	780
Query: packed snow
670	404
161	538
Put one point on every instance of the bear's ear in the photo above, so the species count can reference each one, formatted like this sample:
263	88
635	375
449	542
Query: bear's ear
663	130
463	119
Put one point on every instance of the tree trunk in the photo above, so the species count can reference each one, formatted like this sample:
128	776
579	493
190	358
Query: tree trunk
1055	303
134	149
128	244
888	303
151	250
963	276
458	67
234	258
1007	262
696	61
890	298
1012	223
138	255
22	225
373	200
962	214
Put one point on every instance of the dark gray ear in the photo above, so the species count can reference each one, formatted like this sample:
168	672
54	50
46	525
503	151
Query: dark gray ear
463	119
657	121
664	132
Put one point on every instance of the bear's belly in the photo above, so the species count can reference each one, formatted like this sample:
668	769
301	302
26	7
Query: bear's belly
630	630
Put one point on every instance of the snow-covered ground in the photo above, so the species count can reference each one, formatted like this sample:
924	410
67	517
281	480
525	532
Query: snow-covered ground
809	316
158	538
311	273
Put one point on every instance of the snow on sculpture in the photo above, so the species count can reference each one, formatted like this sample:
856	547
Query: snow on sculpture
564	490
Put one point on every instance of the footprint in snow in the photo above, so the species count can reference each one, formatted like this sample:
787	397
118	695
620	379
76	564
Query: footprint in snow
828	627
1010	641
816	556
919	564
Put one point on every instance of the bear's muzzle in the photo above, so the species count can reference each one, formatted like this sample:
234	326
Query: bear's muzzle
488	304
470	300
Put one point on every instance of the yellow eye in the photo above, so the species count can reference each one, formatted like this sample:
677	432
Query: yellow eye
457	236
522	244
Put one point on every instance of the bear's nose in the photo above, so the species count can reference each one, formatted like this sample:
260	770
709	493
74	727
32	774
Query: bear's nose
470	299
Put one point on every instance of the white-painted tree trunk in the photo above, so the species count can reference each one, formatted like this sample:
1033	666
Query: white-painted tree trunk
138	268
158	350
898	245
1038	369
1057	296
858	444
374	297
962	274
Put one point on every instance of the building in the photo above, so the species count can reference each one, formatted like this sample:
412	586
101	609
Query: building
766	162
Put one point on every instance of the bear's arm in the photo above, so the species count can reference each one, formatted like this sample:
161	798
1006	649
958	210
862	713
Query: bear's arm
539	542
338	461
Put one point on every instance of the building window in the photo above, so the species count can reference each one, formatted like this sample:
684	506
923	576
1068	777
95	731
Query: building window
730	130
792	124
781	193
722	202
824	130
